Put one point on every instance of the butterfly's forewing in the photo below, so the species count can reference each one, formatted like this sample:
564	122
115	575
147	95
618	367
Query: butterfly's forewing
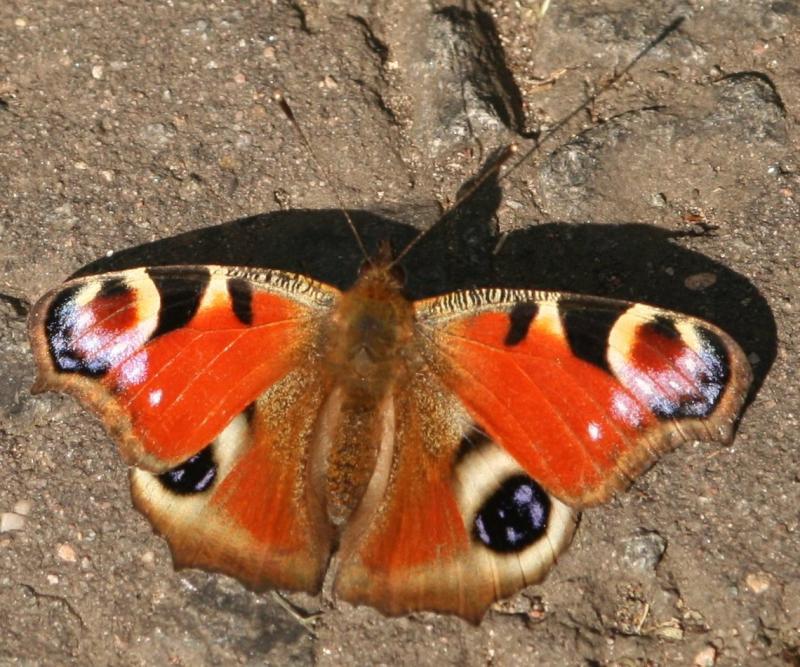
585	393
194	371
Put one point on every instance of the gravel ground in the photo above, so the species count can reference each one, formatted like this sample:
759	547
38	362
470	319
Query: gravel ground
131	131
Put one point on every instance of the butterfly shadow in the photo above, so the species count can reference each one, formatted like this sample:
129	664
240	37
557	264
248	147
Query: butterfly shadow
635	262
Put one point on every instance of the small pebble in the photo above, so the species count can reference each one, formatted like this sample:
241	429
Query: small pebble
700	281
757	582
23	507
10	521
522	605
66	553
52	579
658	199
707	657
148	557
97	71
644	552
670	630
157	134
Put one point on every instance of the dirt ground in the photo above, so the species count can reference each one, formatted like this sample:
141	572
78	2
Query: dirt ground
131	131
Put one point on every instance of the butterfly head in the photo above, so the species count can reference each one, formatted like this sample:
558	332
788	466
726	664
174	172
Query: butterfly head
384	262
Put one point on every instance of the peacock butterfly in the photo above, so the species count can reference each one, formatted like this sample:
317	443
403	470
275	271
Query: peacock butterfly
432	454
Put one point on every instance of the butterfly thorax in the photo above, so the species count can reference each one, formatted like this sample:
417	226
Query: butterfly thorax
371	330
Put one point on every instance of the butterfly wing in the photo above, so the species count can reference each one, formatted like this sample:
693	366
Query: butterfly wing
529	404
586	392
455	523
194	372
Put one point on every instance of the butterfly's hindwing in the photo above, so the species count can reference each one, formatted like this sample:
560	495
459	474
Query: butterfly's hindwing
458	525
244	505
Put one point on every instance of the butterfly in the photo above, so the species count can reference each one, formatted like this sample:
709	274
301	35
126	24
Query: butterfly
426	455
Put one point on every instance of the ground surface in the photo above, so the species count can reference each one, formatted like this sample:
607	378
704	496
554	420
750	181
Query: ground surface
123	124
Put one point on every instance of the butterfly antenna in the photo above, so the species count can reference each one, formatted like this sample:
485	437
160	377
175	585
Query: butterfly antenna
509	151
287	110
503	157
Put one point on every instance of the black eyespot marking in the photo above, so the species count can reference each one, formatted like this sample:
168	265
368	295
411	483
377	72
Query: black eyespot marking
588	329
719	366
665	326
193	476
60	323
514	517
472	441
520	318
711	379
180	296
113	287
71	332
241	293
